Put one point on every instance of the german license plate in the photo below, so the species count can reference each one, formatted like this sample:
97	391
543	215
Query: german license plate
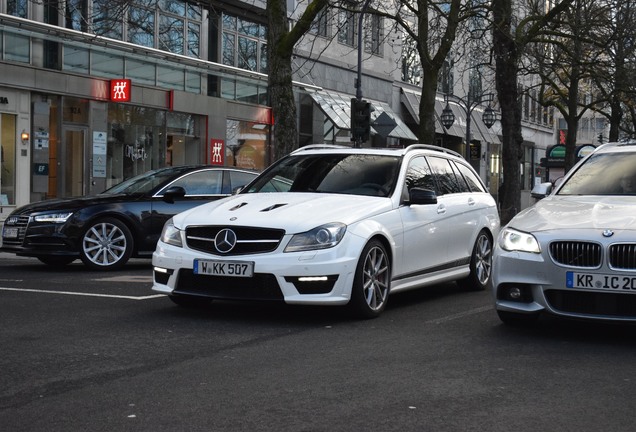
224	268
600	281
10	232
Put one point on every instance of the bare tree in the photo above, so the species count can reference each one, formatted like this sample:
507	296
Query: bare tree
510	39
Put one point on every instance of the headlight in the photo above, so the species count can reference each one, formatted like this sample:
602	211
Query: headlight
322	237
53	217
171	235
513	240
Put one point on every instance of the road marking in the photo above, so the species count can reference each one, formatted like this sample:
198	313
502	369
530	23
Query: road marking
126	279
460	315
83	294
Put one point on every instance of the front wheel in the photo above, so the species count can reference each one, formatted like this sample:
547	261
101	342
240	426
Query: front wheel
107	244
372	282
480	264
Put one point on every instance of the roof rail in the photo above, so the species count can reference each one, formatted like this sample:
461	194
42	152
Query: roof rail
432	147
320	146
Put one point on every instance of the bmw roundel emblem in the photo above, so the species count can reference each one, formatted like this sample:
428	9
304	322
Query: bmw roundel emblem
608	233
225	240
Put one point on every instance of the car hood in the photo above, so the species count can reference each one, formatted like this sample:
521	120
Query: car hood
71	204
575	212
296	212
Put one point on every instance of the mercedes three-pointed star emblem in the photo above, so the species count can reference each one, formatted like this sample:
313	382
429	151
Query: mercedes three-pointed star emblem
225	240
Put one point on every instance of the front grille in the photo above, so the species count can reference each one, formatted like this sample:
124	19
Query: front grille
593	303
261	286
20	222
622	256
576	254
249	240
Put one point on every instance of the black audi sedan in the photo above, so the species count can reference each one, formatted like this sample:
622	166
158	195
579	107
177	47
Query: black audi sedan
125	221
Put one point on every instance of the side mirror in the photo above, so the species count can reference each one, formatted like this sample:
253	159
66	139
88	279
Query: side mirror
173	193
541	190
419	196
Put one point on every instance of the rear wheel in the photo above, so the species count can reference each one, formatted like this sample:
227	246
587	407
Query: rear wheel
372	281
480	264
107	244
53	260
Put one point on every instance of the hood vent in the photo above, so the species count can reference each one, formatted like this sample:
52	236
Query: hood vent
236	207
273	207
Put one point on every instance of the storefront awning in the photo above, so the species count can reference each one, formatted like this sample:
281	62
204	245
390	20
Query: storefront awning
479	131
337	107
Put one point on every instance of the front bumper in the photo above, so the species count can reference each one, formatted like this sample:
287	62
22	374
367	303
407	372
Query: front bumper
322	277
528	283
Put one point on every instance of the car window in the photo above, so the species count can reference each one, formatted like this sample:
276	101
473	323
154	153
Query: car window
603	174
239	179
356	174
143	183
444	174
419	175
470	177
208	182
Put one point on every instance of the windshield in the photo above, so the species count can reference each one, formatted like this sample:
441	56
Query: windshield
603	174
356	174
143	183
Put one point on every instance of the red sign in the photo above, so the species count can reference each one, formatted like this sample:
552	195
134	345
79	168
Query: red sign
120	90
216	152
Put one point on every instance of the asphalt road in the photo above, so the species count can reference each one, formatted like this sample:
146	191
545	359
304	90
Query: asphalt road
91	351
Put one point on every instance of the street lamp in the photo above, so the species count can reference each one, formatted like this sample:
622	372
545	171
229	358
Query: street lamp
448	118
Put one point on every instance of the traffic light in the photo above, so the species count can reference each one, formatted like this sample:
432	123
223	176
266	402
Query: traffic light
360	120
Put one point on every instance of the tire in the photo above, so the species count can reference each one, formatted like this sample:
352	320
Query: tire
480	264
107	244
372	282
190	301
517	319
54	260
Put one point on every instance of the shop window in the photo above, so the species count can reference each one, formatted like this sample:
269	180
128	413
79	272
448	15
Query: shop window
107	65
170	77
246	144
17	48
76	59
7	159
141	72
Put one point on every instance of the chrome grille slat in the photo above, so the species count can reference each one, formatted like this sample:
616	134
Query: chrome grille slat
622	256
21	223
576	254
249	240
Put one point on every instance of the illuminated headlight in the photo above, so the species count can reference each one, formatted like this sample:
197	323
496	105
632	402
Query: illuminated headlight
322	237
53	217
513	240
171	235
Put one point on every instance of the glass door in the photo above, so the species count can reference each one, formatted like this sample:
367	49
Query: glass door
72	176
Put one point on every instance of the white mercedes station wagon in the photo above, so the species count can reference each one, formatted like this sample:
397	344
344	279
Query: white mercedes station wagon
573	254
330	225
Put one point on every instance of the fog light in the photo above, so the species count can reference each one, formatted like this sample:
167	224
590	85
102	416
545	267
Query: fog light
515	293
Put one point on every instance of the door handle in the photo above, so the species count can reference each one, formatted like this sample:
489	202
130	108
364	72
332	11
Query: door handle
441	209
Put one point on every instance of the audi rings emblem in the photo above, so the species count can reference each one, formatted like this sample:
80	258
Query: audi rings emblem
225	240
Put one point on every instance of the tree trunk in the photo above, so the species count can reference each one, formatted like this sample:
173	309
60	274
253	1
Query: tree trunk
426	128
506	70
280	89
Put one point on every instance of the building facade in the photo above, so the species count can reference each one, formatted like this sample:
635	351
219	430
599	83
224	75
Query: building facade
94	91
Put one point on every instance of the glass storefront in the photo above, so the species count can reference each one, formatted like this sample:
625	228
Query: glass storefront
7	159
246	144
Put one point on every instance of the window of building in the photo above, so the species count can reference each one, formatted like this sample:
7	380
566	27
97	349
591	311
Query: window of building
141	26
107	18
76	13
19	8
17	48
374	34
243	43
347	28
246	144
320	25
